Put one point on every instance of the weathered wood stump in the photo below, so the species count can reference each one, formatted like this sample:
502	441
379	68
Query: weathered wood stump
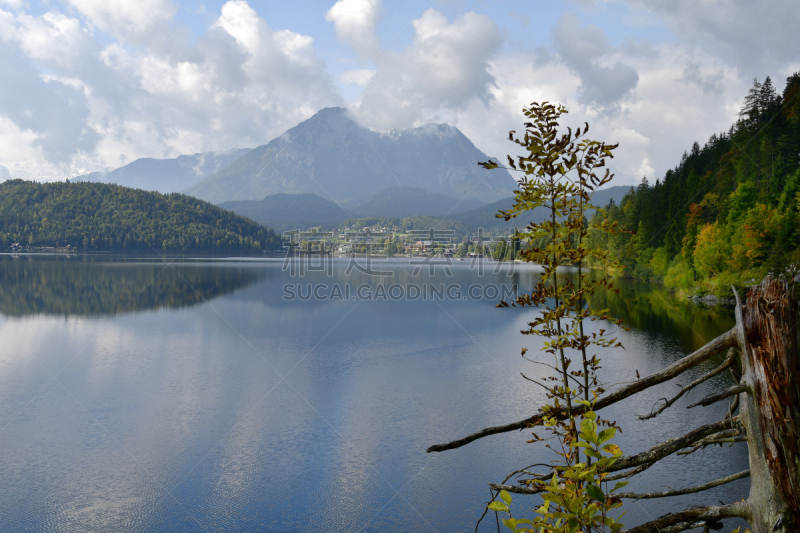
770	407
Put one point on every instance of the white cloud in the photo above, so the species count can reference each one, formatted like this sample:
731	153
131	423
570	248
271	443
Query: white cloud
586	51
139	22
355	22
758	37
103	105
444	68
49	107
13	4
654	124
55	40
16	148
360	77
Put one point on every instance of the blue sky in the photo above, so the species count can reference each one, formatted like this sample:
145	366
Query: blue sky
95	84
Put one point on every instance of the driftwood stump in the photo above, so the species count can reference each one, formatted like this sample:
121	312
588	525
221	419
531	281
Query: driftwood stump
770	406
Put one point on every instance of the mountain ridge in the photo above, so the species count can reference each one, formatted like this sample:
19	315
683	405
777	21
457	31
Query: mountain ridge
103	216
166	175
332	156
303	211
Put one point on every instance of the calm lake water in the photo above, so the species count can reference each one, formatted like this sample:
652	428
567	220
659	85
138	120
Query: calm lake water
220	395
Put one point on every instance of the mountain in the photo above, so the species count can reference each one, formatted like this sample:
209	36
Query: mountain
332	156
404	202
101	216
301	211
484	217
290	211
166	175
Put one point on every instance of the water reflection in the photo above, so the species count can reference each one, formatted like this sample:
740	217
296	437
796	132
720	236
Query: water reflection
90	286
259	413
651	308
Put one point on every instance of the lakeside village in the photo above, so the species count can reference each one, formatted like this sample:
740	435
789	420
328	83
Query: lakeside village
388	242
376	241
16	247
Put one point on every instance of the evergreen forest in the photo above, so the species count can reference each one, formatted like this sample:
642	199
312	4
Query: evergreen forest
99	216
728	213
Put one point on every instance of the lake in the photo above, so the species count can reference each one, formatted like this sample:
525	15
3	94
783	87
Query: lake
141	394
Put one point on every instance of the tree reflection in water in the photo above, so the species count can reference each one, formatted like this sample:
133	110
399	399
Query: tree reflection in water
91	286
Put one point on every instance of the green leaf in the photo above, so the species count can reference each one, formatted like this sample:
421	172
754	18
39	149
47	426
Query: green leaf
619	485
513	523
595	492
505	496
591	453
590	429
613	449
606	435
499	507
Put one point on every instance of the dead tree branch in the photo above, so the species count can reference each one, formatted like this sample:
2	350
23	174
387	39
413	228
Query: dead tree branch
690	517
642	461
680	492
713	398
728	436
517	489
671	446
726	340
729	360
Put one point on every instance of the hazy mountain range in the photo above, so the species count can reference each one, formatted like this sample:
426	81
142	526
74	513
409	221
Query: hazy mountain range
167	175
290	211
484	217
330	155
293	211
302	211
328	169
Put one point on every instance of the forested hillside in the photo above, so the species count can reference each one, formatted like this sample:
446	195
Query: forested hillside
289	211
728	212
99	216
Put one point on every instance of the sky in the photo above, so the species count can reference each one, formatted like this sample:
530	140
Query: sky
92	85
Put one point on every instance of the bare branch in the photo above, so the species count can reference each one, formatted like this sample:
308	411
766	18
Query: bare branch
683	526
729	360
726	340
630	473
732	407
729	436
690	517
727	393
522	424
642	461
691	490
517	489
671	446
